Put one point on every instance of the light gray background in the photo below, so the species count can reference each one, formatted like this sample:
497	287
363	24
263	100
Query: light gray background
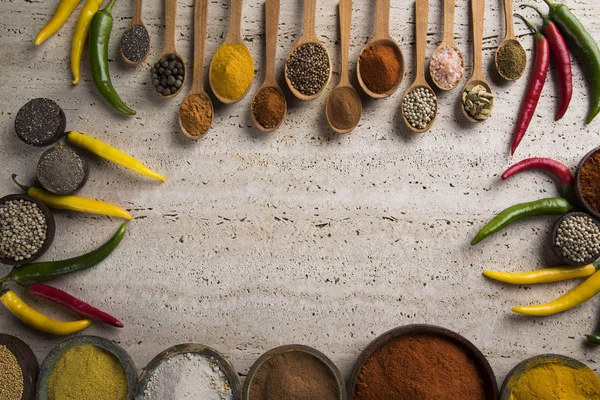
301	236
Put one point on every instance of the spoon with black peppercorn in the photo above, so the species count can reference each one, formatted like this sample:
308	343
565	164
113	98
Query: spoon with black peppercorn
168	74
135	42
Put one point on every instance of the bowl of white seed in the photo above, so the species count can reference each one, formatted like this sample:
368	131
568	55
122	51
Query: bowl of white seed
576	238
26	229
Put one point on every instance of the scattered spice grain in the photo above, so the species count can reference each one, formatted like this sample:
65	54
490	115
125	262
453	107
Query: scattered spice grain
294	375
232	71
23	229
589	181
380	68
343	109
12	382
268	107
62	170
420	367
419	107
40	122
135	43
196	114
511	60
307	68
447	67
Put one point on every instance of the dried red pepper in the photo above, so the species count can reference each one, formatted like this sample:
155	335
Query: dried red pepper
561	171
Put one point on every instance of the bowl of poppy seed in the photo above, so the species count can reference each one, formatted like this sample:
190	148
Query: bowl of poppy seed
168	75
40	122
26	229
576	238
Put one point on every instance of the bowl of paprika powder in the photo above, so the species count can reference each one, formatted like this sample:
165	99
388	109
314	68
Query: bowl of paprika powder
587	182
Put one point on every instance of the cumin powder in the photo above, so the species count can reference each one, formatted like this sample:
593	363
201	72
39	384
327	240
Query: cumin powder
196	114
268	107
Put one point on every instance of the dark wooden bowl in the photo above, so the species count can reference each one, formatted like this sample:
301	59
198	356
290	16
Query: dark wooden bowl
519	370
483	366
578	194
27	361
290	348
111	347
557	250
49	233
222	362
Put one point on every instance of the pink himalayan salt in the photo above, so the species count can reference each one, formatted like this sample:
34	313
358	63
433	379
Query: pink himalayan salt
446	67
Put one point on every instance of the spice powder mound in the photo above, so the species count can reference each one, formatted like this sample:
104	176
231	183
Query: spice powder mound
589	181
11	376
343	110
380	68
420	367
196	114
511	60
269	107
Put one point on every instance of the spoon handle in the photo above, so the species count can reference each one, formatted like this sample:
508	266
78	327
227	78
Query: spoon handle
382	19
345	7
234	34
422	11
309	30
200	22
137	13
272	22
508	18
449	6
477	11
170	23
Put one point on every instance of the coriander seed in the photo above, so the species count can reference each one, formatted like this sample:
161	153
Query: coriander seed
307	68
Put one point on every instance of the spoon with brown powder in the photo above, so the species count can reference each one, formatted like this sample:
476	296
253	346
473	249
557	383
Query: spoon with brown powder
196	110
344	107
511	58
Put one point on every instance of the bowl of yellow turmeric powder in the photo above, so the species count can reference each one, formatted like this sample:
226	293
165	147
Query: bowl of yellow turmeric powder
551	376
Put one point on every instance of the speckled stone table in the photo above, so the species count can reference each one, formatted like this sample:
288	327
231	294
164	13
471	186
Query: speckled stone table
301	236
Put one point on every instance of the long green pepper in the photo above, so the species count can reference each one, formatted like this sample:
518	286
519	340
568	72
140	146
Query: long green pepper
44	271
100	29
584	43
549	206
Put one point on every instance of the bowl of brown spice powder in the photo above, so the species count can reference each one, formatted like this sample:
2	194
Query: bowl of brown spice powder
422	362
587	182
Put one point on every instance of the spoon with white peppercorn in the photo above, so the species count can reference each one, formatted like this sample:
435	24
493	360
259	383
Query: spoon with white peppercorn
419	104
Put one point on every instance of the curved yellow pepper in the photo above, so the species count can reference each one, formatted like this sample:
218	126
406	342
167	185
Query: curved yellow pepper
542	275
63	12
113	154
81	34
582	293
38	320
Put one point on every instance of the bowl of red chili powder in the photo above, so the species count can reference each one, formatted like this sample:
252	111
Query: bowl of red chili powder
422	362
587	182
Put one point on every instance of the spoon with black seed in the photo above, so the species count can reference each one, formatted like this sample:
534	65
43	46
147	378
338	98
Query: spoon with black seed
135	42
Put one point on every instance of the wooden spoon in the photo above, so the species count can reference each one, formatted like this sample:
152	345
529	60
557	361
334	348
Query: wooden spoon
309	35
382	37
170	25
344	88
137	21
422	11
477	14
200	23
234	36
272	22
509	38
448	41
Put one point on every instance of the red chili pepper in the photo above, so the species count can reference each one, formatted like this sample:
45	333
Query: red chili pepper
556	168
72	303
536	84
562	59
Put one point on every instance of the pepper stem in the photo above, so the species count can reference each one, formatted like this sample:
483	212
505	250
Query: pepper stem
23	187
540	13
530	26
550	3
109	6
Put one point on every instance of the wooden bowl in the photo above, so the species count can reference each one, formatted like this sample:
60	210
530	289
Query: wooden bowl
49	232
107	345
520	369
557	250
294	348
222	362
483	366
27	361
580	198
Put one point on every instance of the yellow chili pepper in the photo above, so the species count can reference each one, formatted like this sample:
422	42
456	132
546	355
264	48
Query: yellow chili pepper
112	154
543	275
38	320
74	203
582	293
81	34
63	11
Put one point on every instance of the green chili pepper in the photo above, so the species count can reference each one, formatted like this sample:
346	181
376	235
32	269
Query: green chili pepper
584	43
594	338
44	271
100	29
549	206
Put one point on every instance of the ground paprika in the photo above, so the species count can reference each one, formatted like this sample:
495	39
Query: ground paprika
589	181
380	68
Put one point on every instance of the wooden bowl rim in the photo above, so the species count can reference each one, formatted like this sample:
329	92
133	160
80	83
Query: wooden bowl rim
27	362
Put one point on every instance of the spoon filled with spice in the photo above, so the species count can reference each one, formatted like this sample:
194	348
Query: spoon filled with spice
511	58
447	65
196	111
269	105
135	42
344	107
380	66
477	99
419	104
308	66
232	66
168	74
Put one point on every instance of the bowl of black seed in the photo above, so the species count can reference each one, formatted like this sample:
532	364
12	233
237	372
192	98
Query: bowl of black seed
40	122
168	75
576	238
62	170
26	229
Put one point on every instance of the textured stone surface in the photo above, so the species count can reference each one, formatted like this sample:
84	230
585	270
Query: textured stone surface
301	236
